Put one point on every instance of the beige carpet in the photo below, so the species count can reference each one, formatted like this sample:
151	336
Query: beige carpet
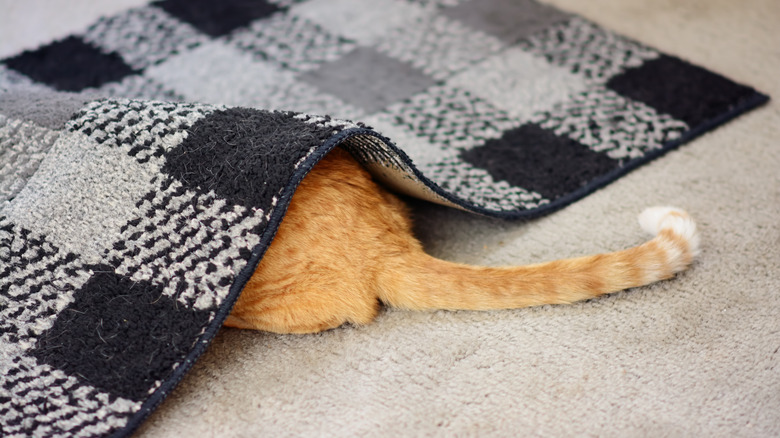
695	356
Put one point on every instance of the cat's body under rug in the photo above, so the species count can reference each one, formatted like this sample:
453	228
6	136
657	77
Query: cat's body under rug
346	246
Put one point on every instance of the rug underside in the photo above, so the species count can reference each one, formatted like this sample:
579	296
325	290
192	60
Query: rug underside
146	162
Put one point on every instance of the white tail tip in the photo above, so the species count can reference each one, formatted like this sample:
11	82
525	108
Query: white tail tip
655	219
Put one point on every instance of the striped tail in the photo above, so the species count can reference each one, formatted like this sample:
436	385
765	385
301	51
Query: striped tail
428	283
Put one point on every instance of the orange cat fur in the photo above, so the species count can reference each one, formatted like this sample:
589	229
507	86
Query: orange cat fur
346	245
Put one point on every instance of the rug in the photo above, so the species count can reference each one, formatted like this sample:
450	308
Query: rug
147	162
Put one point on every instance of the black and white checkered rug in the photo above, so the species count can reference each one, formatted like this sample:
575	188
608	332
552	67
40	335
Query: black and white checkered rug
140	181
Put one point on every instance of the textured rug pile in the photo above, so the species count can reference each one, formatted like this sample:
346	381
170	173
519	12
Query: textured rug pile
146	162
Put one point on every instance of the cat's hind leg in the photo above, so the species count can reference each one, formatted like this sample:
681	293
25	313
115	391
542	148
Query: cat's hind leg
301	306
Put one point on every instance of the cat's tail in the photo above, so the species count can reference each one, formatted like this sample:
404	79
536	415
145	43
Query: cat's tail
429	283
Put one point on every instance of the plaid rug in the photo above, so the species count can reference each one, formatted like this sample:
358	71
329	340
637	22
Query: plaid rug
146	162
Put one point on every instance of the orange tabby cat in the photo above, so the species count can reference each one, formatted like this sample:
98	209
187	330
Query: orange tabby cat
346	245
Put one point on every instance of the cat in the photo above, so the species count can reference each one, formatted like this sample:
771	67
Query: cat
346	245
